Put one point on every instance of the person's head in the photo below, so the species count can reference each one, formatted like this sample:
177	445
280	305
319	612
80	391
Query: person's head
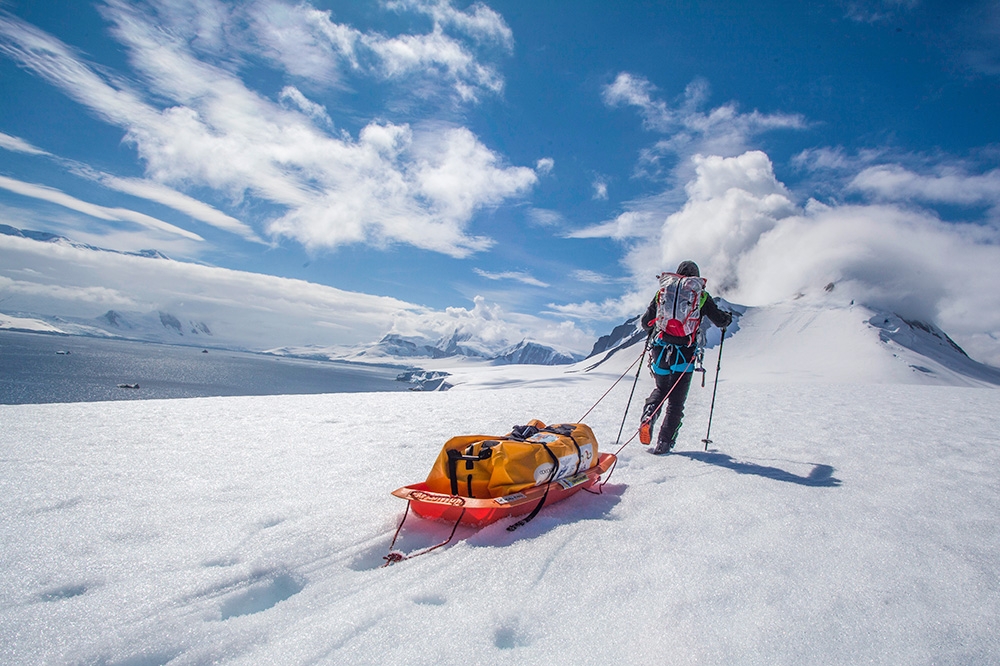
688	269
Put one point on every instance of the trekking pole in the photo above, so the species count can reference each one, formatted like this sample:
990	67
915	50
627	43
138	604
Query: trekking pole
711	410
638	370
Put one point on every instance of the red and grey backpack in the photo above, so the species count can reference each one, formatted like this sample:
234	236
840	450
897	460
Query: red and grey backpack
678	305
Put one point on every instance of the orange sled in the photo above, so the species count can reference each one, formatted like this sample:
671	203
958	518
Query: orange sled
477	512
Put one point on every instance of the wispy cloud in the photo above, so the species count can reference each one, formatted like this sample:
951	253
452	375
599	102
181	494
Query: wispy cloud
159	193
18	145
523	278
875	11
54	196
630	224
723	130
141	188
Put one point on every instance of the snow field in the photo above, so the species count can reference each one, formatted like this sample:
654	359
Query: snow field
835	524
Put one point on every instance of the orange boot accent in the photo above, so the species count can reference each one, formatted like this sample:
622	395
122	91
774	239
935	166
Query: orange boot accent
645	432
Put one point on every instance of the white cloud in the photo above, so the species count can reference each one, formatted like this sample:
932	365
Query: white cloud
875	11
893	182
255	310
545	165
544	217
292	95
479	21
593	277
392	184
609	310
491	327
600	186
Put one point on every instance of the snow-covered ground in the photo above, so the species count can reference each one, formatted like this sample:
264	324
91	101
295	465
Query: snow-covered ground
839	519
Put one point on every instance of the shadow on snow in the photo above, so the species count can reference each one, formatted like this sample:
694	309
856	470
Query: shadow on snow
820	476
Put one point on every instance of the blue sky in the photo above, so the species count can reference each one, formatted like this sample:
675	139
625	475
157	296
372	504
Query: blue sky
517	169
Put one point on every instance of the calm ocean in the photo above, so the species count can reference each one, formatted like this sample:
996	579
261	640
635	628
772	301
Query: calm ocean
40	368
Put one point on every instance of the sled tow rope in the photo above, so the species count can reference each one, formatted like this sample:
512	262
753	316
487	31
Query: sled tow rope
396	556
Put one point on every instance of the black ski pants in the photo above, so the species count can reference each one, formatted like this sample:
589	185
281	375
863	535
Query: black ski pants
677	384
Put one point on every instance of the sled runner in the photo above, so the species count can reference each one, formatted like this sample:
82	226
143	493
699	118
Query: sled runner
479	479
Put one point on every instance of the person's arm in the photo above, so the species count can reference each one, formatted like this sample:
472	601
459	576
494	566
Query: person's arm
715	314
649	317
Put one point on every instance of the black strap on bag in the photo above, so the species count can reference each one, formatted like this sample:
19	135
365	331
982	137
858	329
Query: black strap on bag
548	484
470	458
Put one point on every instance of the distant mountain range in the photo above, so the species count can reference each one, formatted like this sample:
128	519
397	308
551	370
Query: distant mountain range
46	237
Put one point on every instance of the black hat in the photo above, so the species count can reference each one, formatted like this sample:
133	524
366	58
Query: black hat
688	269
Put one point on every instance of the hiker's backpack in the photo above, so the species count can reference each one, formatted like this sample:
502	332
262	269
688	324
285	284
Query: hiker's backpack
678	306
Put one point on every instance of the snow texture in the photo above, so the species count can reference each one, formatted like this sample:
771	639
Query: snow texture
845	513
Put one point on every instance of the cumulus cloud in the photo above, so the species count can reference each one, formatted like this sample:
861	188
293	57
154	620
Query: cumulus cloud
197	124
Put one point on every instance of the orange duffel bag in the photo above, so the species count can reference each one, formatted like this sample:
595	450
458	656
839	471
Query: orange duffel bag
483	466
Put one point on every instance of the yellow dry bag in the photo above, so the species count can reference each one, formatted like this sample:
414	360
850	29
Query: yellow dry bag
483	466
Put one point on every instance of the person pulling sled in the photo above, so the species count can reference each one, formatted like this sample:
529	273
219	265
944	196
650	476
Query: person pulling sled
672	320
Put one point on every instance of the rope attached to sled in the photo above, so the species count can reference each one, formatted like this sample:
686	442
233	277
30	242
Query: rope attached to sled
396	556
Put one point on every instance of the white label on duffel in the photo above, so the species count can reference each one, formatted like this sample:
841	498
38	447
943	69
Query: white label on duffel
567	465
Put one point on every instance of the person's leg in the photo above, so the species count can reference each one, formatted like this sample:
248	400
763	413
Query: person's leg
652	408
674	410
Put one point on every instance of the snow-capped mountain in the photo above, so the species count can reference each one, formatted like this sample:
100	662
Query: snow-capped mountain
157	326
46	237
457	345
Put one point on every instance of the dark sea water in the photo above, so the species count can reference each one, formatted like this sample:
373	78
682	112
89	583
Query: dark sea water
40	368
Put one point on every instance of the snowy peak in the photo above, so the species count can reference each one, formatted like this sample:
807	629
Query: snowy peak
814	342
623	335
151	325
532	353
